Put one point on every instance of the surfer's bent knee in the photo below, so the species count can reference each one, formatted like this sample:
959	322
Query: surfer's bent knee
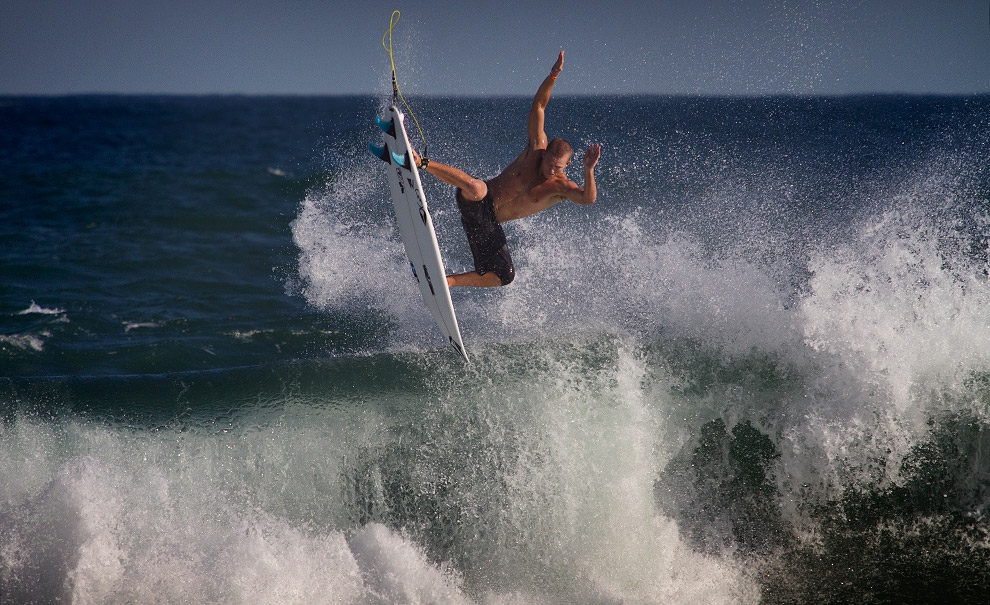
507	275
502	267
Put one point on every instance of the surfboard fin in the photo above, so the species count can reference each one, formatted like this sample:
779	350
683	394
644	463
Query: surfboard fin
382	153
387	126
402	160
388	156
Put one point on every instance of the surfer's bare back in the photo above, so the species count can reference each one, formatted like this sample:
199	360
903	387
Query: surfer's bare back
534	181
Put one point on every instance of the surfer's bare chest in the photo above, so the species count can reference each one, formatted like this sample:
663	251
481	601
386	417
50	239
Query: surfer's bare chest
521	190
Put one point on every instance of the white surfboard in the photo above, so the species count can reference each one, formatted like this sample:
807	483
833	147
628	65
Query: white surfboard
416	226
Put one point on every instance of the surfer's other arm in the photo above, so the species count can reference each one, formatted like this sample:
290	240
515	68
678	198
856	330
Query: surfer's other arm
590	192
569	190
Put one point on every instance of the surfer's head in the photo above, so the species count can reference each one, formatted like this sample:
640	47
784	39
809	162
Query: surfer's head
556	158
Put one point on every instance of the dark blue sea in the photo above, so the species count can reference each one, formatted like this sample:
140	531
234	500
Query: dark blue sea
757	370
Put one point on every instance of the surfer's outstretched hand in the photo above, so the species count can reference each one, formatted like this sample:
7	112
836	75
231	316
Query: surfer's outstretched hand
559	65
591	156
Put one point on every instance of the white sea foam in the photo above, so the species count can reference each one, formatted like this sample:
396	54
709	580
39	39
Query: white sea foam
396	570
623	275
36	309
254	513
136	325
895	306
33	342
109	516
343	256
592	464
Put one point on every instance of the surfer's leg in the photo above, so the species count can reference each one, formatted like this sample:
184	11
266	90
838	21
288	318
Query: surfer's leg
474	280
495	269
492	261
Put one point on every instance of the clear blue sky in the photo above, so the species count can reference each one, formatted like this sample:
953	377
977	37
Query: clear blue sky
495	48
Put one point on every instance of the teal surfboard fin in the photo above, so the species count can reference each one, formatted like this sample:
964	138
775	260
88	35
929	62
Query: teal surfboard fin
382	153
402	160
388	156
387	126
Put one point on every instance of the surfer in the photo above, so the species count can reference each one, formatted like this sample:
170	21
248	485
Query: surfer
533	182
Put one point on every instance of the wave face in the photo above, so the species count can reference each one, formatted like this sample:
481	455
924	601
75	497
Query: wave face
756	370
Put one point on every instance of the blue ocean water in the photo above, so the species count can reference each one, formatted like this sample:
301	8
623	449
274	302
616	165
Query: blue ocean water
756	370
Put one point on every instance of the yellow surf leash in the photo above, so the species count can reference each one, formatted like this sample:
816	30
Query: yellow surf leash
396	94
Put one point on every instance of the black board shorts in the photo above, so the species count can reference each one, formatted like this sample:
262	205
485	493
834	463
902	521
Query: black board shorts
486	238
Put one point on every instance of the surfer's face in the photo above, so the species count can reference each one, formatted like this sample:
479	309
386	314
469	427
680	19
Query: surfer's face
553	165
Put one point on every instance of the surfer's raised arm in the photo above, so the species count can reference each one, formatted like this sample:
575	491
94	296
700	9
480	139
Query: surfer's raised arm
534	127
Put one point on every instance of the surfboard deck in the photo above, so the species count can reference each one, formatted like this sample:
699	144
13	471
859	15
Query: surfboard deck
416	226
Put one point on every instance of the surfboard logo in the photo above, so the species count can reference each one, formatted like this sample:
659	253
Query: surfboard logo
426	273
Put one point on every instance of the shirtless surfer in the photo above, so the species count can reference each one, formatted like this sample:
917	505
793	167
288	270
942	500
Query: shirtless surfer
534	181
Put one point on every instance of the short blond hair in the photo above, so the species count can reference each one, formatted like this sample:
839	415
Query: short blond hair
560	147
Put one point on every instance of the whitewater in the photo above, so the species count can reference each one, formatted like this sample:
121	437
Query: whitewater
757	370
